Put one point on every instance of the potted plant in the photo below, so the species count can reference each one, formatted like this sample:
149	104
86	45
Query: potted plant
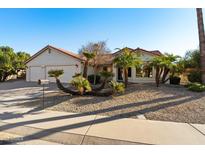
174	80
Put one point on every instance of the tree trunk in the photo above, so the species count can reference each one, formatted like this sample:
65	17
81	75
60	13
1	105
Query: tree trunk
201	42
165	73
85	70
75	92
126	77
5	75
95	72
157	76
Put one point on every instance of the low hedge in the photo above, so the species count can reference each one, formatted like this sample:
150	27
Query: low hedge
194	76
197	87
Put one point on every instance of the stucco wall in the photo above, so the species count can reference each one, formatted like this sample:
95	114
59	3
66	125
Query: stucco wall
53	59
144	57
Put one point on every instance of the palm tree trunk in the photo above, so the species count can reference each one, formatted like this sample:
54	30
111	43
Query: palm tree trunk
164	76
157	76
201	42
126	77
85	70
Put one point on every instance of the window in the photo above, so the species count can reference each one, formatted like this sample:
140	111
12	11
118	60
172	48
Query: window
144	71
129	72
104	68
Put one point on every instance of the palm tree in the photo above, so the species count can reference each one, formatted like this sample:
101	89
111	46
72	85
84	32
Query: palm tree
125	60
88	56
169	62
165	64
157	62
201	42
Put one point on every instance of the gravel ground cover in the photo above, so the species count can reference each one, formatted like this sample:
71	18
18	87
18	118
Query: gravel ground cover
166	103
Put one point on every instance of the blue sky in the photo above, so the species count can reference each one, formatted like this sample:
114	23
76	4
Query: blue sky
167	30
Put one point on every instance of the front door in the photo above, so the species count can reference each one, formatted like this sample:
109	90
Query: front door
119	74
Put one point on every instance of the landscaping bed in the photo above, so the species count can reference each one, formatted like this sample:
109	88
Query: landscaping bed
167	103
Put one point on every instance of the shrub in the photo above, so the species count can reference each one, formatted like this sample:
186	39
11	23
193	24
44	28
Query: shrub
195	76
81	84
117	87
174	80
197	87
106	75
55	73
91	79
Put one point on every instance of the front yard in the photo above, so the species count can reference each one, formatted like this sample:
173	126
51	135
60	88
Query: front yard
167	103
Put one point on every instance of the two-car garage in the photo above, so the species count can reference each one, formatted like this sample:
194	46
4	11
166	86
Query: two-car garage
41	72
51	58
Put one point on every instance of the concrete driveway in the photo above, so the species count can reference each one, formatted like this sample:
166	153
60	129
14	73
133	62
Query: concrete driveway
19	91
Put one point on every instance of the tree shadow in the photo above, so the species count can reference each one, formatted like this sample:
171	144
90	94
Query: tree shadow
48	132
166	102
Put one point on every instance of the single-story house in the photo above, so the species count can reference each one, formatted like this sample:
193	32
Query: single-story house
51	57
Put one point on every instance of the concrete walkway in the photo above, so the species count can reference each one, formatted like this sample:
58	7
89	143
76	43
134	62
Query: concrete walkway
76	128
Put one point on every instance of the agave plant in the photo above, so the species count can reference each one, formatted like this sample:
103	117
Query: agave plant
117	87
81	84
55	73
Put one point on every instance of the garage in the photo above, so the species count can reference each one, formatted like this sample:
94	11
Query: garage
36	73
69	71
52	58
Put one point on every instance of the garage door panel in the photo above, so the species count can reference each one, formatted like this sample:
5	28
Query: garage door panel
37	73
69	71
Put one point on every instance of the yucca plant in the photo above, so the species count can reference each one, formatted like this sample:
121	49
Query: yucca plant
55	73
81	84
117	87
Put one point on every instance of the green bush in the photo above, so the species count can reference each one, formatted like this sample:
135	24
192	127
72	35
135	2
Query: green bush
91	78
197	87
106	75
195	76
117	87
81	84
55	73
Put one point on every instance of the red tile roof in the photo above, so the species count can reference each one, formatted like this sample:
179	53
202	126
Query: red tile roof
155	52
66	52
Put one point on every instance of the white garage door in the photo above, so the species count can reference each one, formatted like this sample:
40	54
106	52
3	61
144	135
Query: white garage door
37	73
69	71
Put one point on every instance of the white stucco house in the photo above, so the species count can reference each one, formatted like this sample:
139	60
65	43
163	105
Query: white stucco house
51	57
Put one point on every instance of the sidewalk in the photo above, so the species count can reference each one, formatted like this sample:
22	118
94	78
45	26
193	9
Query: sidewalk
76	128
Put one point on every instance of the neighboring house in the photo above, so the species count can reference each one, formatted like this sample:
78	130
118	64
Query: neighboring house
51	57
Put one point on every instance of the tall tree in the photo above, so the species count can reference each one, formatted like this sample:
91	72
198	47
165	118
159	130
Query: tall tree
21	57
201	42
98	48
11	62
7	60
125	60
